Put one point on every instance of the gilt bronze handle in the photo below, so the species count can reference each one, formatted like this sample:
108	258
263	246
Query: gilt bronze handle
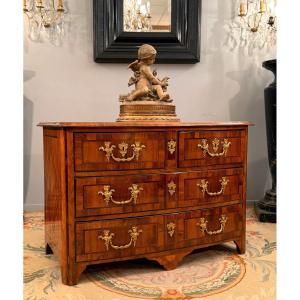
215	145
204	186
123	148
107	194
203	225
107	236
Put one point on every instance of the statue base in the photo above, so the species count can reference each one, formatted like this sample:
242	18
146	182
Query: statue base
147	111
266	207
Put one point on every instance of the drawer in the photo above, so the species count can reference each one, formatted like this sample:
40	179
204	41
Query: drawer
119	194
205	226
204	148
119	238
119	151
207	187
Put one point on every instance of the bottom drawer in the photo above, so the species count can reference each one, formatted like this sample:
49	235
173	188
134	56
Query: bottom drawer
205	226
107	239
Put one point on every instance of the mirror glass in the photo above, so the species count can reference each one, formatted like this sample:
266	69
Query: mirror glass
147	15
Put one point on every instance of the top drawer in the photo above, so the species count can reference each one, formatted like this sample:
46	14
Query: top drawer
119	151
215	147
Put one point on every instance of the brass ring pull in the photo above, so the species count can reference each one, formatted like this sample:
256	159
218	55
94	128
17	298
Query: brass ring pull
215	145
123	148
203	225
107	194
107	236
204	186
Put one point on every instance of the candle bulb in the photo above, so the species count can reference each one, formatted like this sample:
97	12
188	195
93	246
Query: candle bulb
60	6
242	9
39	4
262	6
272	8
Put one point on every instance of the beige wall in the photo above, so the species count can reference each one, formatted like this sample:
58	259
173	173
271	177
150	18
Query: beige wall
64	84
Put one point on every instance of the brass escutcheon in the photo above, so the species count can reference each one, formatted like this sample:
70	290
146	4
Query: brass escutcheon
171	228
172	146
172	187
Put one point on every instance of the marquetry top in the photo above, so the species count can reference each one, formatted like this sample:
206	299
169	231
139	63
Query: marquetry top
144	124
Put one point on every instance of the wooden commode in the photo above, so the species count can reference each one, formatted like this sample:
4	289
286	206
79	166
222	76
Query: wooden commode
117	191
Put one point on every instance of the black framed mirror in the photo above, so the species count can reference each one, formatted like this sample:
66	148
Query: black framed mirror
119	29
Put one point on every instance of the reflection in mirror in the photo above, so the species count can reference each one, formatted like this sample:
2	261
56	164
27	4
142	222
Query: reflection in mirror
147	15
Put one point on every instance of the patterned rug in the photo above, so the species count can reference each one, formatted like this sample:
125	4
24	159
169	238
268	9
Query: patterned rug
214	273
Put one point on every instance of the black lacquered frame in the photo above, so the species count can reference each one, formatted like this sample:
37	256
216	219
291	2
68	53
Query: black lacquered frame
113	45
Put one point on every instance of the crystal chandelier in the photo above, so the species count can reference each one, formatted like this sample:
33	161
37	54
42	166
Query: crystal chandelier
255	26
137	16
44	20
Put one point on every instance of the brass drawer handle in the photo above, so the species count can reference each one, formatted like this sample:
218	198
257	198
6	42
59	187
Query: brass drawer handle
215	143
204	186
107	236
123	148
171	228
203	225
107	193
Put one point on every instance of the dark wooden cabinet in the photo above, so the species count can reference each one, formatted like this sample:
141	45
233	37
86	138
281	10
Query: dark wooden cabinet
117	191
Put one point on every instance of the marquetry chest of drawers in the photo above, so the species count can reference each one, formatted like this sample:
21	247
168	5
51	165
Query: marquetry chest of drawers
118	191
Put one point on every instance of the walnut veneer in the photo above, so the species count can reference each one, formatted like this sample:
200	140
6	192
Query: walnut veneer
118	191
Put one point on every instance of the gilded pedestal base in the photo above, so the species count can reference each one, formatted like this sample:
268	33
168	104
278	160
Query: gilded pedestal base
147	111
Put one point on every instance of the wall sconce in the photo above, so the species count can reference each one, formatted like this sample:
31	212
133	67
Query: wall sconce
45	20
257	24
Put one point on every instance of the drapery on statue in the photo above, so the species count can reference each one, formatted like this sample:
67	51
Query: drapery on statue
147	86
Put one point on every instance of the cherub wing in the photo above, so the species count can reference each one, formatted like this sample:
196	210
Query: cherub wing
134	66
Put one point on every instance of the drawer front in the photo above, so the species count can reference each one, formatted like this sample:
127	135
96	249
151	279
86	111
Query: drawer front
119	238
119	194
204	148
119	151
205	226
215	186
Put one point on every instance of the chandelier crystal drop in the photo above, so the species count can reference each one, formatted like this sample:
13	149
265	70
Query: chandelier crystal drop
254	27
45	20
137	17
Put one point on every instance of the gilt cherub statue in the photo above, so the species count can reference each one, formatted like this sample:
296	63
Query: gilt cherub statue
148	87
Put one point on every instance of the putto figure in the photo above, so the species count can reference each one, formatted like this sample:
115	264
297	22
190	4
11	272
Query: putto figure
147	86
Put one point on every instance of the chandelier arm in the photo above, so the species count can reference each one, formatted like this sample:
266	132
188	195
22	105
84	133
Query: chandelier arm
59	16
246	22
29	17
43	16
247	6
49	21
260	16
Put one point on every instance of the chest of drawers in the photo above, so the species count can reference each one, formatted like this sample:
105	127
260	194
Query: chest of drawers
118	191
